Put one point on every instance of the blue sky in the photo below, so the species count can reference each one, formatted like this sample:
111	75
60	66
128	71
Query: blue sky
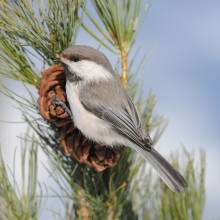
184	73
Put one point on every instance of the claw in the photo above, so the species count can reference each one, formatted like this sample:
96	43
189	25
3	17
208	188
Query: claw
56	101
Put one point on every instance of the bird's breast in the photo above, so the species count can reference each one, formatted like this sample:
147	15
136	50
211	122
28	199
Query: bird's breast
91	126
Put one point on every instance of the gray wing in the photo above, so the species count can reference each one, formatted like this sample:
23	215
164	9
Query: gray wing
119	120
136	119
116	108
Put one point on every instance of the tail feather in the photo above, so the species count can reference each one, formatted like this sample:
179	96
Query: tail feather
174	180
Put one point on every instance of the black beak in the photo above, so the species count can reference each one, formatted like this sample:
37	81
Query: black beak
58	60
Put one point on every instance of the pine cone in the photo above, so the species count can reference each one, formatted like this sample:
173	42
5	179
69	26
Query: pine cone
98	156
53	84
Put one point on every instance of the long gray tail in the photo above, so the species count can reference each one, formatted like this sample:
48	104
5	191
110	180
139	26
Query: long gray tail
166	171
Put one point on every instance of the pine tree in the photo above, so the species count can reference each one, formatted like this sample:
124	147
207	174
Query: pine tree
41	30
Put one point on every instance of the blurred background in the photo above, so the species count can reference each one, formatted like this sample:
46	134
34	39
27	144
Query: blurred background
183	72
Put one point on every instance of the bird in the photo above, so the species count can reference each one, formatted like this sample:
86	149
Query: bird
104	112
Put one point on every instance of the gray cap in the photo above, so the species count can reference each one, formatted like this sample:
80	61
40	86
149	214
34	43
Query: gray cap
87	53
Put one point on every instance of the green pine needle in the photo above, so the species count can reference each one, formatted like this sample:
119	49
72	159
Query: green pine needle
21	203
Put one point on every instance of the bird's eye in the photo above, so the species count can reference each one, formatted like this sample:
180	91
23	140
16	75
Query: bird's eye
75	59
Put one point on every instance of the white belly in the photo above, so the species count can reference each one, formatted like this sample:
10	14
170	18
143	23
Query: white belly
91	126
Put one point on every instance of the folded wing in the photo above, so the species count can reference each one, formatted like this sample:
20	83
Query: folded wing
124	118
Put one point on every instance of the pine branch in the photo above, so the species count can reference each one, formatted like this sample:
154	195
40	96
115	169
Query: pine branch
24	203
49	31
123	21
15	63
190	204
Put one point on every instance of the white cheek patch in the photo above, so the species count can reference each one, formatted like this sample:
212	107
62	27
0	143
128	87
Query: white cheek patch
88	70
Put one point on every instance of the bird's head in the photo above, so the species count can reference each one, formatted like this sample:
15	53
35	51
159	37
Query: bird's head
85	63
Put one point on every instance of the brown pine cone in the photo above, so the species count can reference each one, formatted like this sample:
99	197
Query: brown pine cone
98	156
53	84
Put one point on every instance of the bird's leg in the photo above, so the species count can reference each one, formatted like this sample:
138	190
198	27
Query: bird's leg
56	101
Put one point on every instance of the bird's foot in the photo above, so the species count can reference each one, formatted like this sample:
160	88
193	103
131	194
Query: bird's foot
56	101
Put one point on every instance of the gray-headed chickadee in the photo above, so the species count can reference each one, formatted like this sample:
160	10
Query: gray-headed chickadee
104	112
